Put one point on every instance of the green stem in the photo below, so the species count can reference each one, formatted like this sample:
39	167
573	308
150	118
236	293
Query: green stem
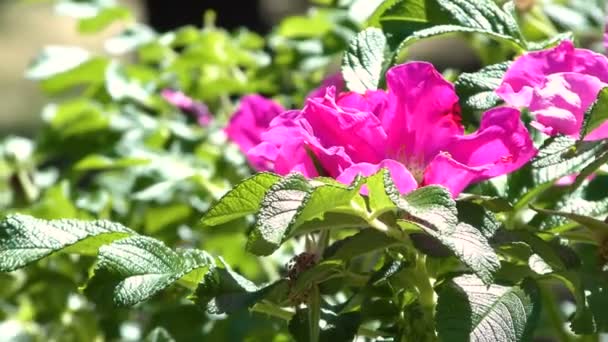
550	303
30	190
314	313
424	285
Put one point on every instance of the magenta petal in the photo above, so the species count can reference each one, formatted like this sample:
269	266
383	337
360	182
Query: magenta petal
424	114
403	179
445	171
530	70
185	103
501	145
560	104
337	131
283	147
599	133
251	119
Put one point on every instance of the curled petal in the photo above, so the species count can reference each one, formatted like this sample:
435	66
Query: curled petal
530	70
342	131
445	171
559	106
501	145
402	177
424	114
251	119
282	149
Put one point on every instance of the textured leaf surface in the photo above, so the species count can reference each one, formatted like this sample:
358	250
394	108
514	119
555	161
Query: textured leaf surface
282	204
469	310
596	114
362	64
433	209
25	239
560	156
476	90
244	199
146	266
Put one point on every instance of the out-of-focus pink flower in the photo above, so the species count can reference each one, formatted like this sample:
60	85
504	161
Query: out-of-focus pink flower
570	179
185	103
413	129
557	85
334	80
252	117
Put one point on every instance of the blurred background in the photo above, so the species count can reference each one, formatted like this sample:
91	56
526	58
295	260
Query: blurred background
27	26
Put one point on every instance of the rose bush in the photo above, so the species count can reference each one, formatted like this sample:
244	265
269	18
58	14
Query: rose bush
201	184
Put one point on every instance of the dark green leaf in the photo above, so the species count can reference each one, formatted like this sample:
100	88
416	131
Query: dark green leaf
159	335
25	239
222	290
433	209
469	310
341	327
282	204
143	266
560	156
365	241
477	90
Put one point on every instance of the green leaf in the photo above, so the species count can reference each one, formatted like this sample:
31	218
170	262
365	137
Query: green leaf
316	275
447	29
599	228
25	239
342	327
433	209
363	61
244	199
100	162
222	290
560	156
469	310
138	267
121	87
365	241
104	18
382	192
597	113
313	26
282	204
326	197
477	90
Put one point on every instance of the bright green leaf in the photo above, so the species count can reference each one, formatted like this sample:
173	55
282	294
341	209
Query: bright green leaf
362	63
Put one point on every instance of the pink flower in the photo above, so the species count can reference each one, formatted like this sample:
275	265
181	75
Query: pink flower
413	129
253	116
557	85
185	103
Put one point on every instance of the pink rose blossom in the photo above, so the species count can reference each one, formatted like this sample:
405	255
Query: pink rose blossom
252	117
413	129
557	85
185	103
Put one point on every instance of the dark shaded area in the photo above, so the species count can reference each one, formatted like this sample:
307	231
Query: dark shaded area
166	15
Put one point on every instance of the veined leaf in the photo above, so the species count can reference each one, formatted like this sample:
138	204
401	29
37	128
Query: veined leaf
560	156
476	90
244	199
363	61
25	239
282	204
597	113
138	267
469	310
222	290
599	228
433	209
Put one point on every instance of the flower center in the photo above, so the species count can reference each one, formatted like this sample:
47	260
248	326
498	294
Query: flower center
414	164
